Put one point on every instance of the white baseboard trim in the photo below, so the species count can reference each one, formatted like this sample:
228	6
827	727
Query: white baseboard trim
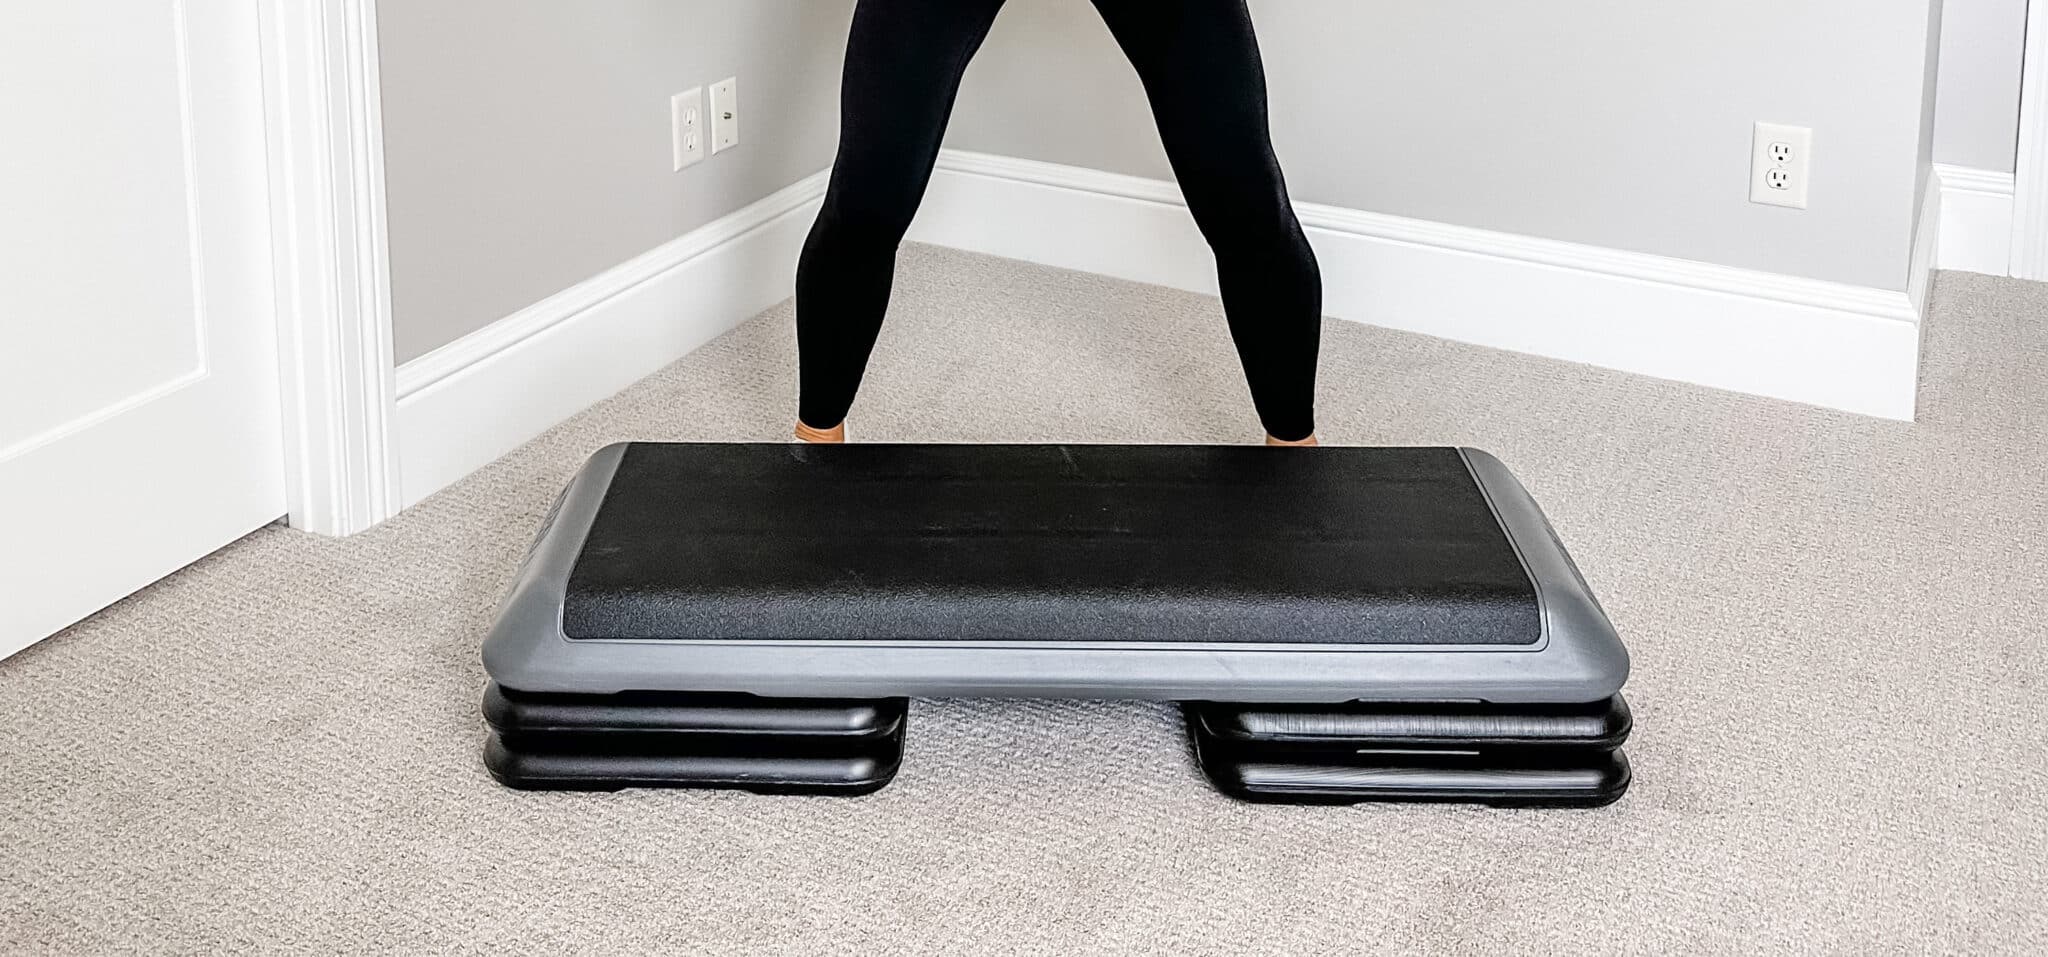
1976	219
1805	340
465	404
1848	347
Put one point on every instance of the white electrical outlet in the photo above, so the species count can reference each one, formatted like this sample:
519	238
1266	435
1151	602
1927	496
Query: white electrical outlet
1781	163
686	120
725	115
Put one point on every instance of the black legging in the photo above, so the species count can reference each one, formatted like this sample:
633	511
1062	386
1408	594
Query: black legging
1199	61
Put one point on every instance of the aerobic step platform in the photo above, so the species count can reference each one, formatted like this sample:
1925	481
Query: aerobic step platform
867	573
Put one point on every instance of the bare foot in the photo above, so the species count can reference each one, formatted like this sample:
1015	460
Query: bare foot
835	435
1306	443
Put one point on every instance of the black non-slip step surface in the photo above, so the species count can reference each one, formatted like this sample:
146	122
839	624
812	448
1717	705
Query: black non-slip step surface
1275	729
863	543
854	772
705	716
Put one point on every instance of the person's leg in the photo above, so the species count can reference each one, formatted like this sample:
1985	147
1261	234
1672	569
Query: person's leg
904	61
1200	63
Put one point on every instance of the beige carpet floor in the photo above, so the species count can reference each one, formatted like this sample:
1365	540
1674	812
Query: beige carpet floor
1839	626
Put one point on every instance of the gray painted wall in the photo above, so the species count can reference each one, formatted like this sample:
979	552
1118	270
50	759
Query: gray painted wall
527	141
1616	123
1983	45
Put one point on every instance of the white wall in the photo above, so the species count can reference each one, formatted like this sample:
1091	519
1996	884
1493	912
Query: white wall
1978	113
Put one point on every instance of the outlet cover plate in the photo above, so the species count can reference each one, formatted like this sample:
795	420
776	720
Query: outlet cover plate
1781	165
686	121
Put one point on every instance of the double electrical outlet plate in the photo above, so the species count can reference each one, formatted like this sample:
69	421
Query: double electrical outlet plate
694	127
1781	165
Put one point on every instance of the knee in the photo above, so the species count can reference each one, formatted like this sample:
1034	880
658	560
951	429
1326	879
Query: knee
1247	213
867	219
1270	237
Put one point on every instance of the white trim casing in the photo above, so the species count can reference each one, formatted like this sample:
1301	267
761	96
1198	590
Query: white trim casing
1806	340
475	399
331	266
1976	220
2029	255
1927	233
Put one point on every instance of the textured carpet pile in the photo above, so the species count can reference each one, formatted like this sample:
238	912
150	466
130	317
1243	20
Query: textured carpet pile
1839	627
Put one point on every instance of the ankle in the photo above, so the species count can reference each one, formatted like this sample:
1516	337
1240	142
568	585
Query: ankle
1310	442
835	435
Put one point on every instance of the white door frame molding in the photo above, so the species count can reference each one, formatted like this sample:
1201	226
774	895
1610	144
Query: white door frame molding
331	262
2030	180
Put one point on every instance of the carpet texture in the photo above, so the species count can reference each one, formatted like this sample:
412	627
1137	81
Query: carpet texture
1837	625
